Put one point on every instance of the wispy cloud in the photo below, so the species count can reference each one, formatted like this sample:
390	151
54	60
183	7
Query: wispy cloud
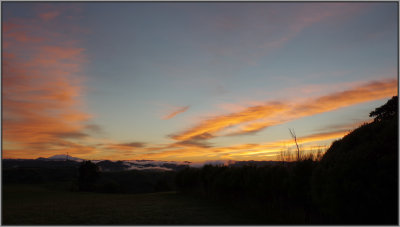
256	118
94	128
371	91
308	14
253	151
124	148
296	18
193	143
219	123
130	145
200	151
175	112
345	126
272	149
42	90
133	144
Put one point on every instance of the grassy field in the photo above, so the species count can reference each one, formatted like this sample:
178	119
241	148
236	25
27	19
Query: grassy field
38	204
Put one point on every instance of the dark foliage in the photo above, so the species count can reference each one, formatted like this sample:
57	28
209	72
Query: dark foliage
356	182
387	111
135	181
112	166
278	193
37	175
36	163
88	175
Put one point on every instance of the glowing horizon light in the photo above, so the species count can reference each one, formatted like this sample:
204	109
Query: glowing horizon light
192	82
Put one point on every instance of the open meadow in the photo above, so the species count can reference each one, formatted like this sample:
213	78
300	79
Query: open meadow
52	205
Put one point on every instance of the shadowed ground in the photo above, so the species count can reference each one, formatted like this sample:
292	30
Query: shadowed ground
33	204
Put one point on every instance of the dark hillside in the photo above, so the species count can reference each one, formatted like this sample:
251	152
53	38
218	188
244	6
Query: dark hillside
357	179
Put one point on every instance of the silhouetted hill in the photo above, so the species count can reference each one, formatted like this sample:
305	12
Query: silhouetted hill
354	183
57	161
62	157
254	163
356	180
37	163
112	166
37	171
60	161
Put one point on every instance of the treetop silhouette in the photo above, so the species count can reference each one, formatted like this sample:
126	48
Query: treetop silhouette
387	111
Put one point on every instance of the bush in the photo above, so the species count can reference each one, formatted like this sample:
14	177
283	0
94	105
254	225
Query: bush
88	174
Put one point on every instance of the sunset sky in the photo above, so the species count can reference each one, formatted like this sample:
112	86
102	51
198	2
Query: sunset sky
191	81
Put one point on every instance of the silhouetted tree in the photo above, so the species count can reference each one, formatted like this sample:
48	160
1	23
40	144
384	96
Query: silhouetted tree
387	111
88	174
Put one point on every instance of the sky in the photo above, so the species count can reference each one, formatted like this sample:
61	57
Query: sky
191	81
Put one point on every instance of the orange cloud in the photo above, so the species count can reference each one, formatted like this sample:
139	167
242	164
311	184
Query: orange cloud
42	113
198	150
262	151
177	155
345	126
176	112
219	123
77	150
371	91
125	146
192	143
256	118
272	150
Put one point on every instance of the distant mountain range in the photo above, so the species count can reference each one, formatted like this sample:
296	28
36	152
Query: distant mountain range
62	157
112	166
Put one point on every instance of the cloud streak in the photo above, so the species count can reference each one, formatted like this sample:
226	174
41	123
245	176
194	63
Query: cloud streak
176	112
219	123
125	146
256	118
259	151
296	18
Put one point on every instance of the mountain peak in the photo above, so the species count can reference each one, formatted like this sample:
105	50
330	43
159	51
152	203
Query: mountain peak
64	157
